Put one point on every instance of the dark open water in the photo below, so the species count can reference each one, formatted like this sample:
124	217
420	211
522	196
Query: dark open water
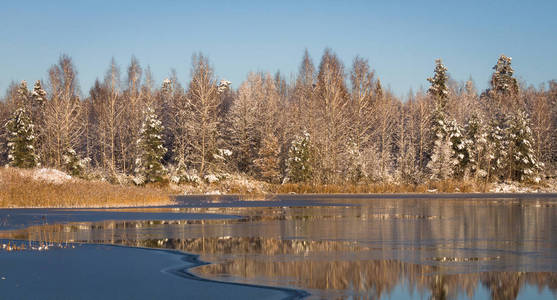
347	246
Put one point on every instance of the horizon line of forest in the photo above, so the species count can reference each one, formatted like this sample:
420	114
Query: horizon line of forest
329	125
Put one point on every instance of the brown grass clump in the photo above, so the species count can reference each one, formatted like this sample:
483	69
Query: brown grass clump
21	188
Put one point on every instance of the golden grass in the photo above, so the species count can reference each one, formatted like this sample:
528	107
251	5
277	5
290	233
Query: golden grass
18	188
445	186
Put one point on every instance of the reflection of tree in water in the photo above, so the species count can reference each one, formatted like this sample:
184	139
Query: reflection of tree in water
376	278
507	285
372	278
317	265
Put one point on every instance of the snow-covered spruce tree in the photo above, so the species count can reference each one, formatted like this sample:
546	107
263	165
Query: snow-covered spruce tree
477	134
502	80
439	91
73	163
298	164
149	167
182	174
38	95
442	163
522	161
497	144
438	88
23	97
460	147
38	101
223	86
21	140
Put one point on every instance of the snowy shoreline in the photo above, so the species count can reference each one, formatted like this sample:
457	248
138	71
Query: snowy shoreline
501	194
48	179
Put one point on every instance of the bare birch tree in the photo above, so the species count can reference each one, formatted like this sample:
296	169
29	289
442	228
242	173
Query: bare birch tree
244	119
111	120
360	150
303	108
332	114
134	105
203	103
63	124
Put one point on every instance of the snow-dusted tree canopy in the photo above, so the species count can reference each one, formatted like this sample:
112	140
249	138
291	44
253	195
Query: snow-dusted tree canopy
438	88
74	164
223	86
300	154
460	149
502	80
329	124
21	140
480	149
38	94
149	167
521	157
442	162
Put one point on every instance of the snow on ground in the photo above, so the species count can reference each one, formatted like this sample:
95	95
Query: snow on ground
213	192
231	183
45	175
514	187
51	176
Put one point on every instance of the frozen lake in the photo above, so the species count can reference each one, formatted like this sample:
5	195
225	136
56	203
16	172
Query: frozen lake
330	246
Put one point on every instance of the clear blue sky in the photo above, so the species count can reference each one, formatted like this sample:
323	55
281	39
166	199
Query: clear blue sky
401	39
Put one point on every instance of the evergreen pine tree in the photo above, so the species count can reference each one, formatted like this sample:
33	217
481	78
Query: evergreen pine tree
166	88
502	80
439	91
480	149
149	167
298	165
438	88
497	145
522	161
460	147
223	86
38	95
23	98
74	164
21	140
37	111
442	163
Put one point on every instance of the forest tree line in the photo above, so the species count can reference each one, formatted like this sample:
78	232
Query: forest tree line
330	124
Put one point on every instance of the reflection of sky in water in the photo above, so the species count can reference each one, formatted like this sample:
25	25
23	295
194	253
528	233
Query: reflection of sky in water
351	247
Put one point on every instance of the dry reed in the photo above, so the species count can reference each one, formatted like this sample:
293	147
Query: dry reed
19	189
